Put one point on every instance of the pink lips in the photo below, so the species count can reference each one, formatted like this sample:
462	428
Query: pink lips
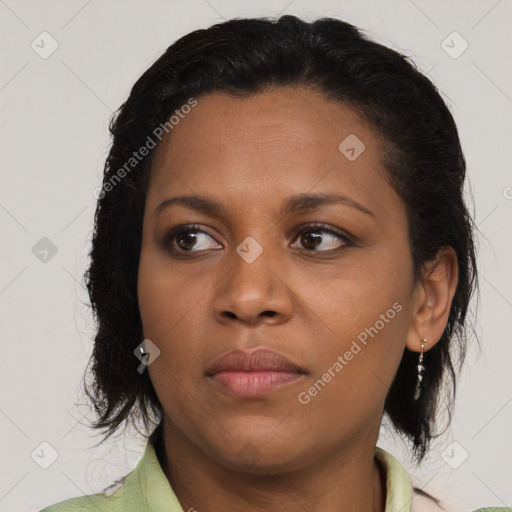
252	373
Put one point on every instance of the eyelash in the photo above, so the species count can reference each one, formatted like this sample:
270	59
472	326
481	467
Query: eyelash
348	240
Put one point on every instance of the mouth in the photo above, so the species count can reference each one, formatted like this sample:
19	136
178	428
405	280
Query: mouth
252	384
252	374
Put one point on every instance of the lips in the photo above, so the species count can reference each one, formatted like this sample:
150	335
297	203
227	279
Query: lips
261	360
253	374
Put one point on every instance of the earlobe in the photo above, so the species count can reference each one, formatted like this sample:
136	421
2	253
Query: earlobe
433	300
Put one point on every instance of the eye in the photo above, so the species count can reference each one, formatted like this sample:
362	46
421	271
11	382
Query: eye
188	239
193	238
317	236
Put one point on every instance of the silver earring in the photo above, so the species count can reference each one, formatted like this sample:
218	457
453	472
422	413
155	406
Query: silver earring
142	355
419	370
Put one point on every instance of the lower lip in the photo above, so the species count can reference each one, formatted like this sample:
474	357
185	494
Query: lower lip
253	384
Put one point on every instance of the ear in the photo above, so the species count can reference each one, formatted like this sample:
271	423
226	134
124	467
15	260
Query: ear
432	300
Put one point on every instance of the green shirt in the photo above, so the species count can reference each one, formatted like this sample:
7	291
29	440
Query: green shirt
146	489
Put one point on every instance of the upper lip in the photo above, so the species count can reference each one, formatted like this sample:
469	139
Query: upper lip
252	361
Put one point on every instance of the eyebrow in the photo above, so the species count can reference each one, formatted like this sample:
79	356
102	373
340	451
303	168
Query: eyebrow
294	204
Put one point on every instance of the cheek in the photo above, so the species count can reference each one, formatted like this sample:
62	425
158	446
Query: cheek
353	374
350	298
362	316
167	295
169	304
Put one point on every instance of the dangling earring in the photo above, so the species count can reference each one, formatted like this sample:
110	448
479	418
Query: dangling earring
420	369
142	355
144	352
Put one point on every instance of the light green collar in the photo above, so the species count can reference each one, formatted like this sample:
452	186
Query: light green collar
149	486
146	489
398	483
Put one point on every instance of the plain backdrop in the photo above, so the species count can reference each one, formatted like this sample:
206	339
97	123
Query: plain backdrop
55	111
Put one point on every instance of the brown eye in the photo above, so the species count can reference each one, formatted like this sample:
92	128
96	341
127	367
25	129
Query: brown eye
327	239
311	240
188	239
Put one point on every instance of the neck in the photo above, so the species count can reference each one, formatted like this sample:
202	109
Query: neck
348	478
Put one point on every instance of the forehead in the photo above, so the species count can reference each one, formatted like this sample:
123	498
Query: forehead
282	141
276	117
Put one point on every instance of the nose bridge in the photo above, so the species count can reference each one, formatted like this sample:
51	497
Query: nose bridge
253	286
251	261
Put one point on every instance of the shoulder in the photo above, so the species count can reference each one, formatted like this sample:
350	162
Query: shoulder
126	494
403	496
83	504
146	489
424	502
110	500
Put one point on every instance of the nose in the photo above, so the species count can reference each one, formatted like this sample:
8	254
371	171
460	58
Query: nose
254	292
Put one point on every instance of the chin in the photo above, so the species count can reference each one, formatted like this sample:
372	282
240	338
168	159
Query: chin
261	456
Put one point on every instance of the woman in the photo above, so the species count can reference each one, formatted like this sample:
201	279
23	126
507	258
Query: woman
281	255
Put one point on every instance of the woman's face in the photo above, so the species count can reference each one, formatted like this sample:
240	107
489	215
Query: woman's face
335	299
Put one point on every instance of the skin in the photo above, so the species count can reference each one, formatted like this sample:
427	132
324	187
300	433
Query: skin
305	301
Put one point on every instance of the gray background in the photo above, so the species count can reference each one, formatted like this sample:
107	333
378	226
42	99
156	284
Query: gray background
55	113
